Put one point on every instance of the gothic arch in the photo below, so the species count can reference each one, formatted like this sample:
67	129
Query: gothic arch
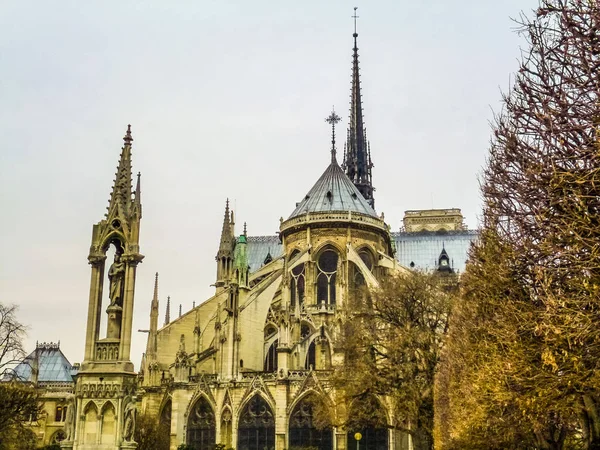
327	244
90	423
198	395
306	427
375	435
115	238
328	260
109	423
256	424
164	417
201	424
226	418
310	340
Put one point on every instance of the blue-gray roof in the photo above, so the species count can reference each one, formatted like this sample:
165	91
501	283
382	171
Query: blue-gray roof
422	248
51	363
333	191
259	247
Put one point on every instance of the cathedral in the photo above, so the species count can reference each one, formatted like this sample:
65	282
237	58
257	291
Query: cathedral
245	367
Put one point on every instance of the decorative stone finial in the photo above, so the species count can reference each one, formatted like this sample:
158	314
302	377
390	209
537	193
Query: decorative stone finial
128	139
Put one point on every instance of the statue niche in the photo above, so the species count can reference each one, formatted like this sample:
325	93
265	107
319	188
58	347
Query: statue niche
116	278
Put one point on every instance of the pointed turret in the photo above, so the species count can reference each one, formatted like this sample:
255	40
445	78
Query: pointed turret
168	312
357	156
224	256
120	197
151	346
137	196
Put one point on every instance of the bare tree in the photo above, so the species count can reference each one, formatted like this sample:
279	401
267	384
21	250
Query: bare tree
12	333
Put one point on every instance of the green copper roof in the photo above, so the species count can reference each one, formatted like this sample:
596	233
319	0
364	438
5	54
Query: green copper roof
333	191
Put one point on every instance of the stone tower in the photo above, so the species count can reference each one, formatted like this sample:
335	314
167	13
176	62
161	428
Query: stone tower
105	385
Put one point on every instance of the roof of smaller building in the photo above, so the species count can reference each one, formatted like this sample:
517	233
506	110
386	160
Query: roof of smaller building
261	246
333	191
51	362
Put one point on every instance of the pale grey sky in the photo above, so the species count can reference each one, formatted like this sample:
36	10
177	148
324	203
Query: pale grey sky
225	99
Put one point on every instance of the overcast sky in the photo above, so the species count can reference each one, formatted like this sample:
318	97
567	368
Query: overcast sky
226	99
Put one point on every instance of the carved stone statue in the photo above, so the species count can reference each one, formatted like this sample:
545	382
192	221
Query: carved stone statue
116	275
129	422
70	419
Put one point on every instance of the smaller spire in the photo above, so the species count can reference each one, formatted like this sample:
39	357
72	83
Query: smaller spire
180	310
332	119
168	312
155	296
245	230
128	139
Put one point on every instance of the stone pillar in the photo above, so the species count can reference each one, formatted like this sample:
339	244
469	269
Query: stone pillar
281	419
94	305
115	314
128	294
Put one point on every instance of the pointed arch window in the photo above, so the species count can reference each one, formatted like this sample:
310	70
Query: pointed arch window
311	357
201	434
256	428
271	358
327	265
374	431
297	285
304	432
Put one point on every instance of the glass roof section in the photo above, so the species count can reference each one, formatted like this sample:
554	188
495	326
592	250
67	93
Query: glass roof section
53	365
422	249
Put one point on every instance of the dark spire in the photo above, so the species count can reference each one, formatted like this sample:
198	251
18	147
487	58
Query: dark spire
357	162
333	119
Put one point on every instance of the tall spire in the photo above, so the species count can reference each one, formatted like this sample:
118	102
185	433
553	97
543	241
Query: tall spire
357	161
120	197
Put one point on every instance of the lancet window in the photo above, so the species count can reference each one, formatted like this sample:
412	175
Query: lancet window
256	429
201	426
374	431
297	285
271	358
311	357
304	432
327	265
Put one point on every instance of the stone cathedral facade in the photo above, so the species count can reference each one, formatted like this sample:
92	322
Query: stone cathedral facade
245	367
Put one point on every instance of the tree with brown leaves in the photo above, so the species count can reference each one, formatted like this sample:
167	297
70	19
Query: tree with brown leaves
524	359
392	344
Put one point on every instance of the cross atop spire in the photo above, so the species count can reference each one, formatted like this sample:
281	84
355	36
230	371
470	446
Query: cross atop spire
357	161
355	17
333	119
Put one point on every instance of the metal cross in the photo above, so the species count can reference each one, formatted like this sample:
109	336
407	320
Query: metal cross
332	119
355	17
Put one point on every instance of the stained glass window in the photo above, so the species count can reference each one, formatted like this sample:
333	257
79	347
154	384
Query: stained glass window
271	358
256	429
303	432
201	426
327	265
